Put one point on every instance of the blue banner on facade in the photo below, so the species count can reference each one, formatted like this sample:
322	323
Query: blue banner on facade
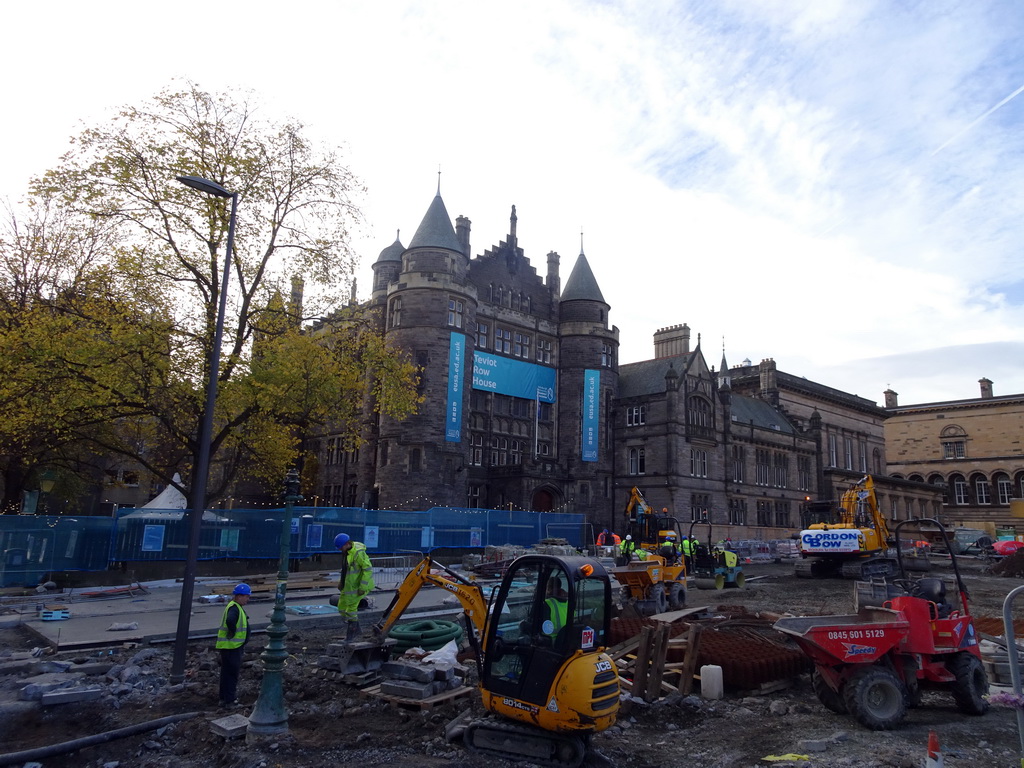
515	378
591	416
456	360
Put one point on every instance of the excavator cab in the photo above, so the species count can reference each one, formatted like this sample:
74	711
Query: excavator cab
542	615
543	660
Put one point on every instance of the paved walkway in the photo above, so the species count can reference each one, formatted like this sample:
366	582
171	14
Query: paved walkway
93	621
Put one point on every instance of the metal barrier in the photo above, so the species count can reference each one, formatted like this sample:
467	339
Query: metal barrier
390	570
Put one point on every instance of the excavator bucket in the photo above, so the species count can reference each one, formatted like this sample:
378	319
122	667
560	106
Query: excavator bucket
358	662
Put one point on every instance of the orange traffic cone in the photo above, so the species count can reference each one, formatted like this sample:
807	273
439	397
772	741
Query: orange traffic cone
934	759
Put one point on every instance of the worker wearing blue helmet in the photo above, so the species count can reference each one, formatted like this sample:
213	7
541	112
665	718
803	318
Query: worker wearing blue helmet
356	581
231	639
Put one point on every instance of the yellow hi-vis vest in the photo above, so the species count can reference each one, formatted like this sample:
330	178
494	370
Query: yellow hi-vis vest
557	610
241	629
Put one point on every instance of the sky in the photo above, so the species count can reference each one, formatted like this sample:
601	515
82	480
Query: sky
834	184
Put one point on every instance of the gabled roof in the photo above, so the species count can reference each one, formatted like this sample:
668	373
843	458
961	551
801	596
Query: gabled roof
436	230
648	376
750	410
581	285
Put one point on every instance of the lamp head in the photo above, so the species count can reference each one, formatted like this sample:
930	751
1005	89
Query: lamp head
205	185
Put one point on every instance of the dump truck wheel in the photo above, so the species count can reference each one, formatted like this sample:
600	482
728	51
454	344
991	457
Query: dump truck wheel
831	699
676	595
971	684
876	698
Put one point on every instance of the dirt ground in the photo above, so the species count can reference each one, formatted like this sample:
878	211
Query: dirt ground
333	723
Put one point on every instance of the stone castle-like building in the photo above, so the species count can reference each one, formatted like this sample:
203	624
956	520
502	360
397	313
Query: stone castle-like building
526	406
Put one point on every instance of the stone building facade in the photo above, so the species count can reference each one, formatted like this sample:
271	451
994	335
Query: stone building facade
526	405
972	449
747	447
518	376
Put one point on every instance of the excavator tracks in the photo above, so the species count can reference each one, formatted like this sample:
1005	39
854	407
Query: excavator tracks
508	741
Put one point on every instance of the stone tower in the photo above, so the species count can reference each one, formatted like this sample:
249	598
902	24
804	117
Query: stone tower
588	375
428	309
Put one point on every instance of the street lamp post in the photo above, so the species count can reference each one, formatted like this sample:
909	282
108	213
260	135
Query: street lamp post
201	470
46	482
269	717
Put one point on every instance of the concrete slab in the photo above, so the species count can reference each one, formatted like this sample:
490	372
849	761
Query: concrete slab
71	695
230	727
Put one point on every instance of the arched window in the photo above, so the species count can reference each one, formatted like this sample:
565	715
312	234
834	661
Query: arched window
1004	488
982	489
960	489
954	442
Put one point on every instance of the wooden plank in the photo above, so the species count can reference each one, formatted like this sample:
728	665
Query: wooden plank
643	655
687	673
401	702
657	663
623	648
672	616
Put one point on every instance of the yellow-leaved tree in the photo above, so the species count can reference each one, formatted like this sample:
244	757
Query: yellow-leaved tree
105	346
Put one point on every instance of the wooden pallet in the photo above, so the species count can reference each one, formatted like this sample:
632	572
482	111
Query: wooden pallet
400	702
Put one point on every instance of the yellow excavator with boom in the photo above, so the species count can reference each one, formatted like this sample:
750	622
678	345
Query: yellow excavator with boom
856	546
540	653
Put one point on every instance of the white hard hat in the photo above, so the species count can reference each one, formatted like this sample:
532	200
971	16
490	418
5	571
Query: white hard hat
628	537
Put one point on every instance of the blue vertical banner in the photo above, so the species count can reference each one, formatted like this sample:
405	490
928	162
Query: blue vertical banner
453	414
591	416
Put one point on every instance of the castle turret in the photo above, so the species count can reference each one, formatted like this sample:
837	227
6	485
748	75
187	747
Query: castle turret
588	374
430	313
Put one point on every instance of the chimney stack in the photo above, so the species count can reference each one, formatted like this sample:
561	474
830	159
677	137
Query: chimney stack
891	399
986	389
462	227
673	340
553	282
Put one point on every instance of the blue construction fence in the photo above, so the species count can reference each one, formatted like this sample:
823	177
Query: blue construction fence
34	545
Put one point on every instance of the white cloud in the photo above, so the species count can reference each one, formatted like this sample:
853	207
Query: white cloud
818	183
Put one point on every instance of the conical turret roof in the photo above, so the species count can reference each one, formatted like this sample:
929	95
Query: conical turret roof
436	230
582	285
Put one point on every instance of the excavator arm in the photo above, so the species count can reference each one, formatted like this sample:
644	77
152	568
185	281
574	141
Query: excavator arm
469	595
860	511
637	506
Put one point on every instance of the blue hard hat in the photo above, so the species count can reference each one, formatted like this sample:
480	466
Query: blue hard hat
243	589
341	540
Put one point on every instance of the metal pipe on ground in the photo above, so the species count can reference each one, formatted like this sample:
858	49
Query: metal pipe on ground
12	758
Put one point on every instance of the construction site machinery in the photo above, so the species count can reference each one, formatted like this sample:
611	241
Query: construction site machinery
907	635
856	546
657	581
539	646
713	567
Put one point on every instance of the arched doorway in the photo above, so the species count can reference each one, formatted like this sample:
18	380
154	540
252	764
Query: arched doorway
543	500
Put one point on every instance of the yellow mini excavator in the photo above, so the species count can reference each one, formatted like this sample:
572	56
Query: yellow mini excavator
539	643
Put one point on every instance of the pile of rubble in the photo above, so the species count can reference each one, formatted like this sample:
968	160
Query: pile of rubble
29	679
